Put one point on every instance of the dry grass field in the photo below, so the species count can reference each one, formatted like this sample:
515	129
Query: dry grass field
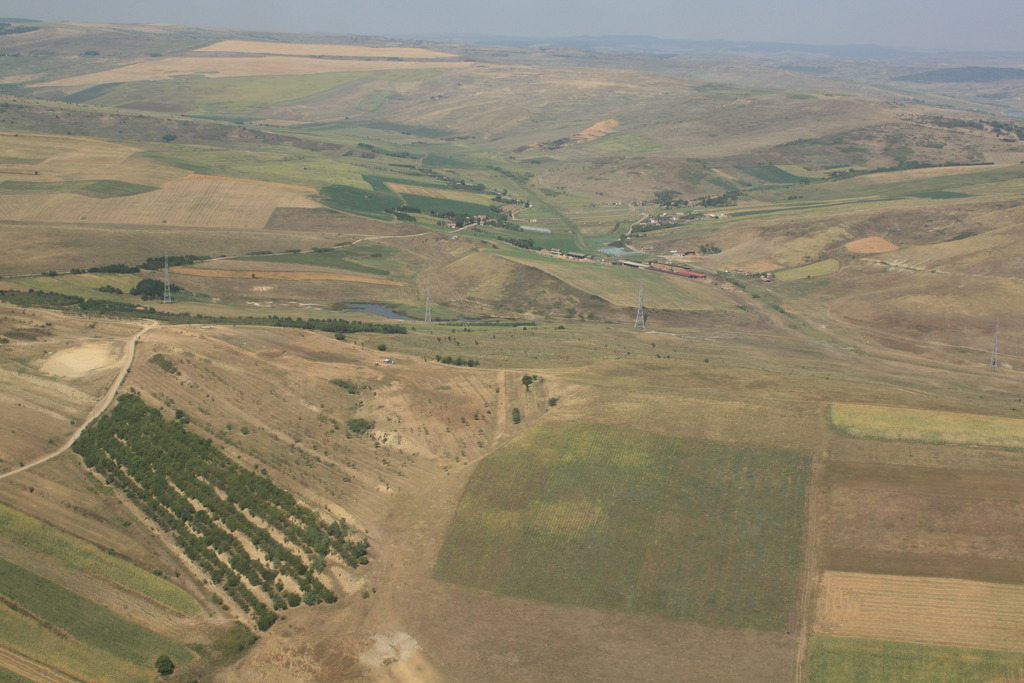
193	201
905	424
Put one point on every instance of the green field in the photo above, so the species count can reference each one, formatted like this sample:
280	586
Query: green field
771	174
841	660
926	426
85	621
636	522
240	97
98	189
72	553
826	267
324	259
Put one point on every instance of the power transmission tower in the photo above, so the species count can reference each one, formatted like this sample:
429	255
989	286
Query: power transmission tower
167	281
994	363
641	315
426	307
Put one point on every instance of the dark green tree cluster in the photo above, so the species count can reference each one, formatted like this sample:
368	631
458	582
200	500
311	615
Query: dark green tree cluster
207	502
149	289
359	425
448	360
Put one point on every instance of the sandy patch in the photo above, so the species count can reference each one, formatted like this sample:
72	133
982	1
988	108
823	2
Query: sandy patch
871	245
314	49
81	360
599	129
392	646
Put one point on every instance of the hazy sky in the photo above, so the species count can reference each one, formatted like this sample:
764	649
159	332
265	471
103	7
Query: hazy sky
929	24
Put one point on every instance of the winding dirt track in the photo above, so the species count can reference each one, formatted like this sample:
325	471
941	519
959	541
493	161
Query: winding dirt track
126	364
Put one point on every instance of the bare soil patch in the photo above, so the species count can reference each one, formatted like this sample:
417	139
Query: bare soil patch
871	245
81	360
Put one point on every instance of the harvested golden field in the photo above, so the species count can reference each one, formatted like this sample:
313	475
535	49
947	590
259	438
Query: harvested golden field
229	67
928	426
437	193
871	245
941	611
39	158
315	49
193	201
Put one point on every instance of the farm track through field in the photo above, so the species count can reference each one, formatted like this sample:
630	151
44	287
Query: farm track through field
31	669
812	541
129	357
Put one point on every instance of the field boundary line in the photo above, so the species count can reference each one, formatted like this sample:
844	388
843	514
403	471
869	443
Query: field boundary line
108	398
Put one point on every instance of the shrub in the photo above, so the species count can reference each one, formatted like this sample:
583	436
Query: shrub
164	665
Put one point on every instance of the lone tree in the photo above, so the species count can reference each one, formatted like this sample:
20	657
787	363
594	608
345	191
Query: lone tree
164	665
527	381
516	417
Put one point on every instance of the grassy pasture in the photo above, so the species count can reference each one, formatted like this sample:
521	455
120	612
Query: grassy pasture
620	286
635	522
362	202
84	620
771	174
927	426
625	144
819	269
245	97
77	555
842	660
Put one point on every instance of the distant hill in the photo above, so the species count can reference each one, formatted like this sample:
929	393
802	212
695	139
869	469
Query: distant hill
965	74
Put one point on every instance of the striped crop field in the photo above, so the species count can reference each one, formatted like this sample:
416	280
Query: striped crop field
927	426
850	660
924	610
80	620
636	522
28	643
67	551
